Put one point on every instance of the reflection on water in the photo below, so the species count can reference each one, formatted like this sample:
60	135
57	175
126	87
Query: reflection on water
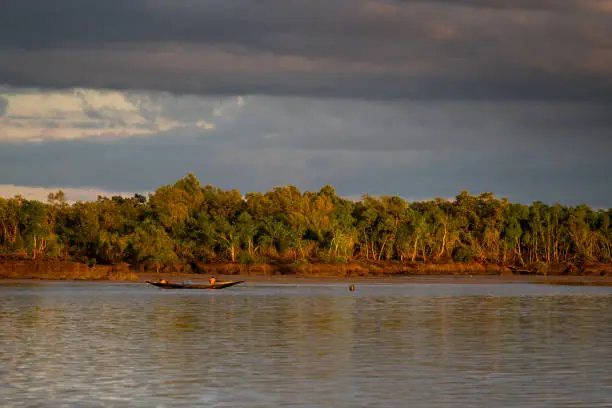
90	345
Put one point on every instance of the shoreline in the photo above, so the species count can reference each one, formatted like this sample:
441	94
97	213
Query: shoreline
399	280
14	269
396	280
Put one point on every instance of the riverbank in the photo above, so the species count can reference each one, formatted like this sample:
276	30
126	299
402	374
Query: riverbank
390	272
422	279
399	280
13	267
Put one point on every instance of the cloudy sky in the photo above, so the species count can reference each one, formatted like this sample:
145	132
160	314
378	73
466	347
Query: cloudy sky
410	97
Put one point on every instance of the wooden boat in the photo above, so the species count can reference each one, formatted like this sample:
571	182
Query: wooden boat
216	285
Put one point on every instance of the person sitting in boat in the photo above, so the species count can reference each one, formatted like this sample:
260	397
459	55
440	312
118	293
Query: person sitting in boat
163	281
212	280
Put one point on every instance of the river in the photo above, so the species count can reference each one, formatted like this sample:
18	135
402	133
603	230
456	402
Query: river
66	344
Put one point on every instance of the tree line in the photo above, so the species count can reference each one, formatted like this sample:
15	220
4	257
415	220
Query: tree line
188	223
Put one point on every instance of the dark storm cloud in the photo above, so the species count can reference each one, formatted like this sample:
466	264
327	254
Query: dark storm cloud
268	23
548	5
211	80
513	97
347	48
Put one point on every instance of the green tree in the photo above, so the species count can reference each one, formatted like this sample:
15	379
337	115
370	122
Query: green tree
151	244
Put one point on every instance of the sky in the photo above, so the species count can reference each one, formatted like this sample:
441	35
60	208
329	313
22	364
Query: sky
414	98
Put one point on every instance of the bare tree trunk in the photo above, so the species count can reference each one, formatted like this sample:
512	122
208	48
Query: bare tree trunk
414	250
382	248
443	249
15	231
365	238
423	250
518	252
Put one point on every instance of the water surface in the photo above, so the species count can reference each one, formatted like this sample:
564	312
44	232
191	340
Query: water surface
263	345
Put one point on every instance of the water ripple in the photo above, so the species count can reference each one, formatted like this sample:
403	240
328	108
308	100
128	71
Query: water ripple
115	345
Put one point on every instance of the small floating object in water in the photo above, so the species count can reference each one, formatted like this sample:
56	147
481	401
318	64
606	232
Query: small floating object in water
352	288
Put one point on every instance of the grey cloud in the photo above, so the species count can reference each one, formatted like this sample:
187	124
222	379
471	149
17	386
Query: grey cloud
246	74
92	113
50	124
87	125
346	48
130	166
519	150
36	23
266	24
547	5
3	105
301	123
418	98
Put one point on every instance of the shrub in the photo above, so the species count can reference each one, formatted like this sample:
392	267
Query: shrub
245	259
464	254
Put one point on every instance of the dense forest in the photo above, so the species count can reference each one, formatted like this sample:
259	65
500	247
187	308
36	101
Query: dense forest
188	223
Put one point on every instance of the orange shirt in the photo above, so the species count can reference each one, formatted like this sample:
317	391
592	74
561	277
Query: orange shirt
212	281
